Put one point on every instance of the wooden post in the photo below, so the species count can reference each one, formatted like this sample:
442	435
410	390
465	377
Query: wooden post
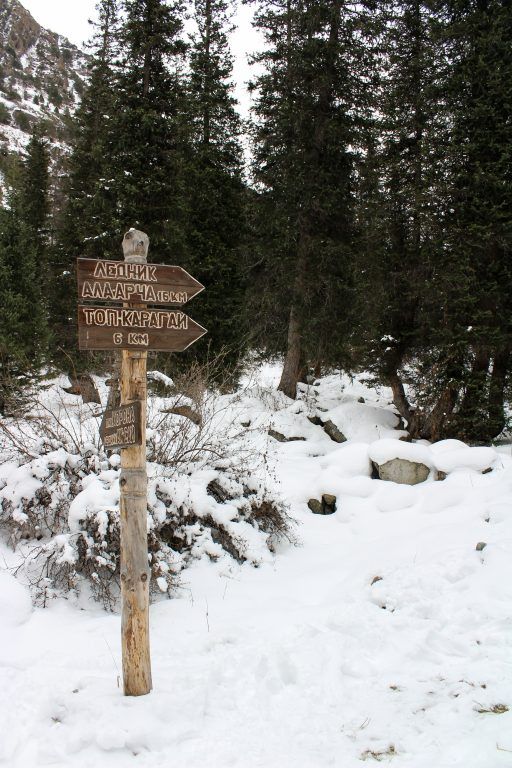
133	508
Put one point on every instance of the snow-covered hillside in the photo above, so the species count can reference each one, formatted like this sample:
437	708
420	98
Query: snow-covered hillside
381	632
42	77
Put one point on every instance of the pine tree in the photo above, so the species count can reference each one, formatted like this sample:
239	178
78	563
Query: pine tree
479	83
443	263
24	333
307	96
215	189
91	205
406	236
89	226
145	144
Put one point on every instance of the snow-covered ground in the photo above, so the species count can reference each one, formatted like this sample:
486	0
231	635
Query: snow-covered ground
385	635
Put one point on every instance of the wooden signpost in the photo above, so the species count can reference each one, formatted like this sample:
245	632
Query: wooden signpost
134	329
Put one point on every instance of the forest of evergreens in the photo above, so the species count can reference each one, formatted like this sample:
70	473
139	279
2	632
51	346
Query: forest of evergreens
371	230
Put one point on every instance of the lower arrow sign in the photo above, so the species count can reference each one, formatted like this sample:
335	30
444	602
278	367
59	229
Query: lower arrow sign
105	328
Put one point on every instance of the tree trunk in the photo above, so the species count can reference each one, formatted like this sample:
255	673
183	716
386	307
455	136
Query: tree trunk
497	392
475	395
434	425
84	386
401	402
206	95
293	361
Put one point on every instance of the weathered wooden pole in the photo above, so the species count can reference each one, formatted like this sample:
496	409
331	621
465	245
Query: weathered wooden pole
133	508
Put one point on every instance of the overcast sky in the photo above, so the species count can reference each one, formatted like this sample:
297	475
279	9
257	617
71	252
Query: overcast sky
70	18
67	17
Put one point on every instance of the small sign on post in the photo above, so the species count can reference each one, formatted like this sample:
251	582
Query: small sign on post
134	329
121	427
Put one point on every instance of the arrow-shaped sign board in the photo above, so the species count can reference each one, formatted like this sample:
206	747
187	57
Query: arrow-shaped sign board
162	330
119	281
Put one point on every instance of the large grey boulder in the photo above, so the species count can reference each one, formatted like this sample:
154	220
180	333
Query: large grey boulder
403	471
403	463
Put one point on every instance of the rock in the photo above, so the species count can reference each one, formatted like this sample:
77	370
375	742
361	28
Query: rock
316	506
480	546
441	475
403	472
376	579
245	423
329	428
215	489
282	438
325	507
323	410
450	455
329	504
334	433
361	400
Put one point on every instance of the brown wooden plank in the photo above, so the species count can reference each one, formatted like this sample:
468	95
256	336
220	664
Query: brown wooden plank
165	330
121	427
119	281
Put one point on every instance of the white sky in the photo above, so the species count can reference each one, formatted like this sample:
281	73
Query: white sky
70	18
67	17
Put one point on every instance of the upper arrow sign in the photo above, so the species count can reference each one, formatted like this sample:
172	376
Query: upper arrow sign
119	281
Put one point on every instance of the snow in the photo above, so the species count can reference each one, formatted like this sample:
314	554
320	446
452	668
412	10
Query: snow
384	635
453	454
382	451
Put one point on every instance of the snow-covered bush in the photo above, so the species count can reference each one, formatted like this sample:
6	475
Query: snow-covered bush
59	492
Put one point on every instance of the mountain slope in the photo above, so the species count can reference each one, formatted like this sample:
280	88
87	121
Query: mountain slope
42	77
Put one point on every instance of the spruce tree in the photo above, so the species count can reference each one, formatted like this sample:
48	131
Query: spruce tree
145	143
307	97
404	240
89	226
479	84
24	333
215	188
442	268
91	204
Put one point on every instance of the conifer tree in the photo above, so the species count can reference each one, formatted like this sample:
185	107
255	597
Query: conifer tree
215	189
89	224
405	238
479	85
442	268
91	205
23	268
306	99
145	144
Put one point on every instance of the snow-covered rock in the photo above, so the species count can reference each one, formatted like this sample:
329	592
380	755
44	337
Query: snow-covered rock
400	462
450	455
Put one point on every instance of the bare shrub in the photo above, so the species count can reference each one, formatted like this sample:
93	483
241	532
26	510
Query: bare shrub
57	445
